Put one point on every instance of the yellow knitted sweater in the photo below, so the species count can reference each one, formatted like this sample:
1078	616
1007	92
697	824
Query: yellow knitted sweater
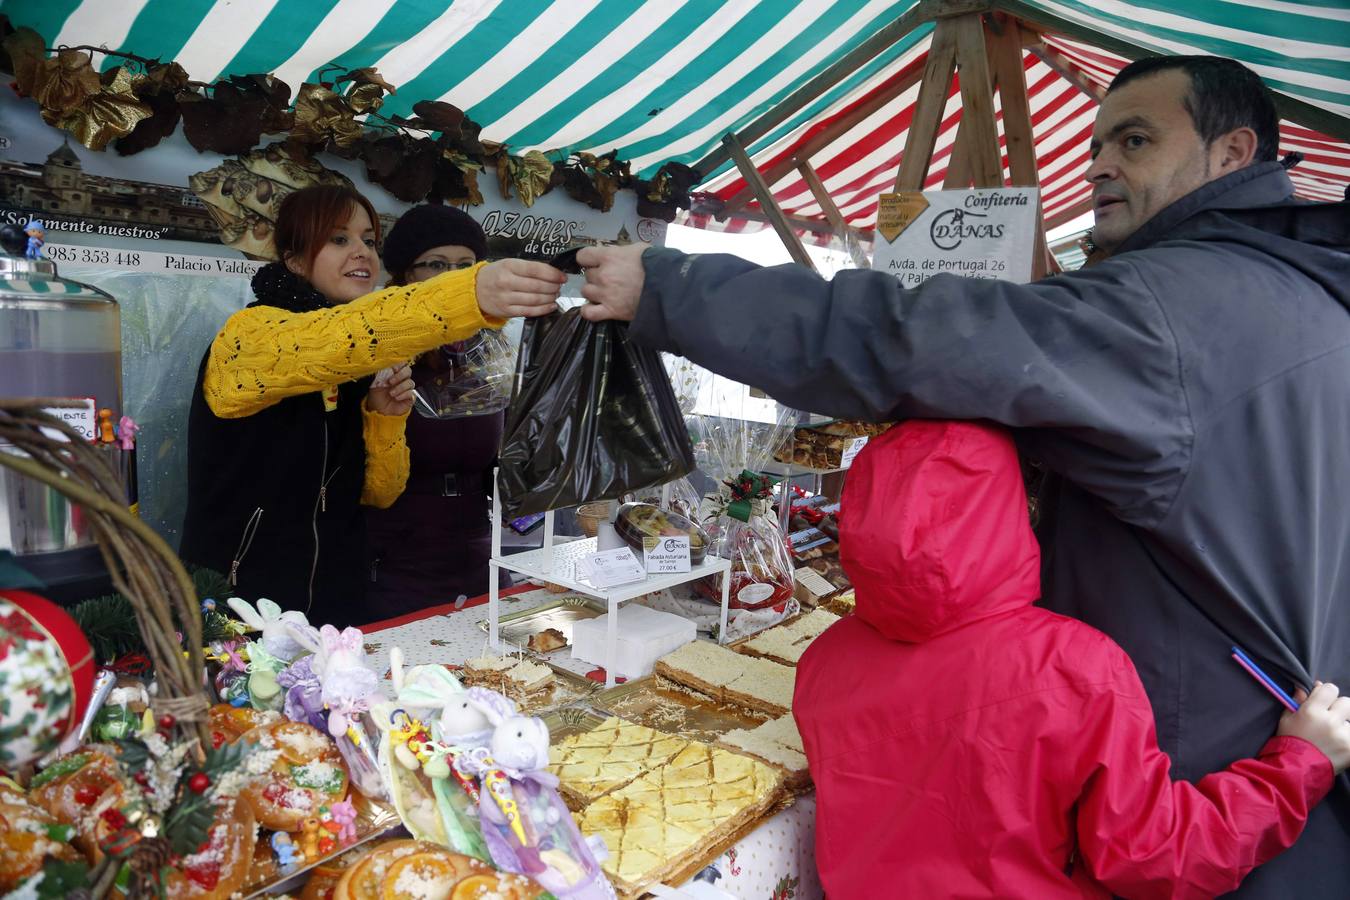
265	354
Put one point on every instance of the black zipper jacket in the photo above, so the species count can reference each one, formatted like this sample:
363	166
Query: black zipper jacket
274	498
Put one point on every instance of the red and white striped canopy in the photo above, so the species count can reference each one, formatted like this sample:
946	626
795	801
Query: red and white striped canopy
861	163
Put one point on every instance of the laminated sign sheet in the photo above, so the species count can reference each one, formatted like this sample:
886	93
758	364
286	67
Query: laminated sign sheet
983	233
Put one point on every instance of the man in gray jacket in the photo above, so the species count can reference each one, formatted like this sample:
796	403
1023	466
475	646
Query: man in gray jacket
1190	396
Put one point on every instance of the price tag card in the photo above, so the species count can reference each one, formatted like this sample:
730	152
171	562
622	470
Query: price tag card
666	555
610	568
852	450
82	418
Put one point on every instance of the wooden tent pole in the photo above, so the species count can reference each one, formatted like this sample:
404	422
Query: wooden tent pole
828	135
767	203
832	213
927	119
977	103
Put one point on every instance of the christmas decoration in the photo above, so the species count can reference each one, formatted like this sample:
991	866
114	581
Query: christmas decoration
434	156
110	621
46	677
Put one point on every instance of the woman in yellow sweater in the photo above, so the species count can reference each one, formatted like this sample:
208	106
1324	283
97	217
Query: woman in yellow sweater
288	435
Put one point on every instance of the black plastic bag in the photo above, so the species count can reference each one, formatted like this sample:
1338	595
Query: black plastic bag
592	416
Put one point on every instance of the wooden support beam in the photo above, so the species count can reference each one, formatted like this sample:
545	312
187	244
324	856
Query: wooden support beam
1068	71
766	202
1295	110
927	119
1005	56
925	11
977	103
832	213
828	135
958	164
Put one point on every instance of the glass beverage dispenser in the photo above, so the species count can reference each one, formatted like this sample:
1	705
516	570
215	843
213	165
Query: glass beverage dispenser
58	339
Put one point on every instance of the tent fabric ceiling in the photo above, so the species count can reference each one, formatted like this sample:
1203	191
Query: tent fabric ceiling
665	79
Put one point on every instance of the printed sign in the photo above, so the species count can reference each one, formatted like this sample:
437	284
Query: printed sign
851	451
610	568
984	233
151	261
82	418
666	555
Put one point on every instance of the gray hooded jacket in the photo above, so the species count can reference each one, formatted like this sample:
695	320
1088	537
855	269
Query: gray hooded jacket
1191	396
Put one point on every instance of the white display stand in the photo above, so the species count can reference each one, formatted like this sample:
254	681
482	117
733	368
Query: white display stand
557	564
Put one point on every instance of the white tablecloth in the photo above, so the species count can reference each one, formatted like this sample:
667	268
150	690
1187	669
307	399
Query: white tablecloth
774	862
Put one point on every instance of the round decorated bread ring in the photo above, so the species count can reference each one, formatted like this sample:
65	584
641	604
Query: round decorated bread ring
26	839
221	865
229	723
75	790
431	874
308	773
362	879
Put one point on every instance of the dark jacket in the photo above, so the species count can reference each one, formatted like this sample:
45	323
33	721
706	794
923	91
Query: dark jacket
1192	394
991	748
254	506
434	543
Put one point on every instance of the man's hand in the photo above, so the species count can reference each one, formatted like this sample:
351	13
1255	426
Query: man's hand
1323	720
518	287
613	281
395	396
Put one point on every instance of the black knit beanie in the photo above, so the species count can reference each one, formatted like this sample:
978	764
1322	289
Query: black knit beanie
423	227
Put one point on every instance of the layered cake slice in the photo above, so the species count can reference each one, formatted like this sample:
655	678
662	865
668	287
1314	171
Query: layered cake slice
609	756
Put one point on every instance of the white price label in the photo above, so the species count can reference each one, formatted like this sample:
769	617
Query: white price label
610	568
667	555
82	418
852	450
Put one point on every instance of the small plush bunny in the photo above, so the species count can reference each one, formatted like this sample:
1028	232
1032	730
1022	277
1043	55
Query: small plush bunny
520	744
339	664
276	626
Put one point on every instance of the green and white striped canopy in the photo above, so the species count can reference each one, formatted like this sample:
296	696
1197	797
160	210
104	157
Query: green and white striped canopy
665	79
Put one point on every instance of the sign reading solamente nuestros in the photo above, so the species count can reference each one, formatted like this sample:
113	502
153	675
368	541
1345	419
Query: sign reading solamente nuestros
983	233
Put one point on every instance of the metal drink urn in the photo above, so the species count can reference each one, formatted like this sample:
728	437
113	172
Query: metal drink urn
58	339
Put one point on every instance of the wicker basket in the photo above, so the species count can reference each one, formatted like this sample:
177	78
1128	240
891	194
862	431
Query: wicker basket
591	515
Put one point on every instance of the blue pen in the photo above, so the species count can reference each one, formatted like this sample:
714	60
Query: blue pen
1265	680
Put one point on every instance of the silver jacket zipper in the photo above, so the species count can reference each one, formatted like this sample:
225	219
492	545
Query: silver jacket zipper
320	505
250	529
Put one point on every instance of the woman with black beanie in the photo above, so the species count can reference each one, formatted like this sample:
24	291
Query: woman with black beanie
432	545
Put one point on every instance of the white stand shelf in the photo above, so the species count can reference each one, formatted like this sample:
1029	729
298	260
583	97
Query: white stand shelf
557	564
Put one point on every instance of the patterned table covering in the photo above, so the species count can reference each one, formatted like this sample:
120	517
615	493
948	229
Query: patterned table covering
776	861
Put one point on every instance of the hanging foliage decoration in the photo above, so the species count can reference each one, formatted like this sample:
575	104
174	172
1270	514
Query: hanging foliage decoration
436	155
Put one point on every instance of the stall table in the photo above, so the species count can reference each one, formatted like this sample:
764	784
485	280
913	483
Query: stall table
774	862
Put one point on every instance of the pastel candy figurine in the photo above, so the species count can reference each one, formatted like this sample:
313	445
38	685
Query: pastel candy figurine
285	849
275	625
344	814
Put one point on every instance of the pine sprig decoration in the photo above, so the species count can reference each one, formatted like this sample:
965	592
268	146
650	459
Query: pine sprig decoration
62	879
109	622
188	823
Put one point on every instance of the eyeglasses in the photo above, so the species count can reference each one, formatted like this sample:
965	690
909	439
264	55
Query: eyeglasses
439	265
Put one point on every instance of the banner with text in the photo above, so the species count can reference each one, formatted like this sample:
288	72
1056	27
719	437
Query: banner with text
982	233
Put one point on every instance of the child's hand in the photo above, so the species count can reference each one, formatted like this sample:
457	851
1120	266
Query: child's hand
1322	721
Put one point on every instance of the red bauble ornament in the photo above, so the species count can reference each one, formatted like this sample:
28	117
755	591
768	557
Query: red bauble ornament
47	671
166	721
199	783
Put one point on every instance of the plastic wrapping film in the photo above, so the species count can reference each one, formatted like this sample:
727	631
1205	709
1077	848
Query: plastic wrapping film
472	377
592	417
736	433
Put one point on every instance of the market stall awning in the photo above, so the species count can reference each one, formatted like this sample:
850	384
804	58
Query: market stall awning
667	79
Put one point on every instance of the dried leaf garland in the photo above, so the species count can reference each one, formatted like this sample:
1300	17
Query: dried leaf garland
231	117
531	175
26	51
111	112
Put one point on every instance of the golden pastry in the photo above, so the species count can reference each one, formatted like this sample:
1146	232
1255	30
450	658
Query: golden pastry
593	763
308	773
